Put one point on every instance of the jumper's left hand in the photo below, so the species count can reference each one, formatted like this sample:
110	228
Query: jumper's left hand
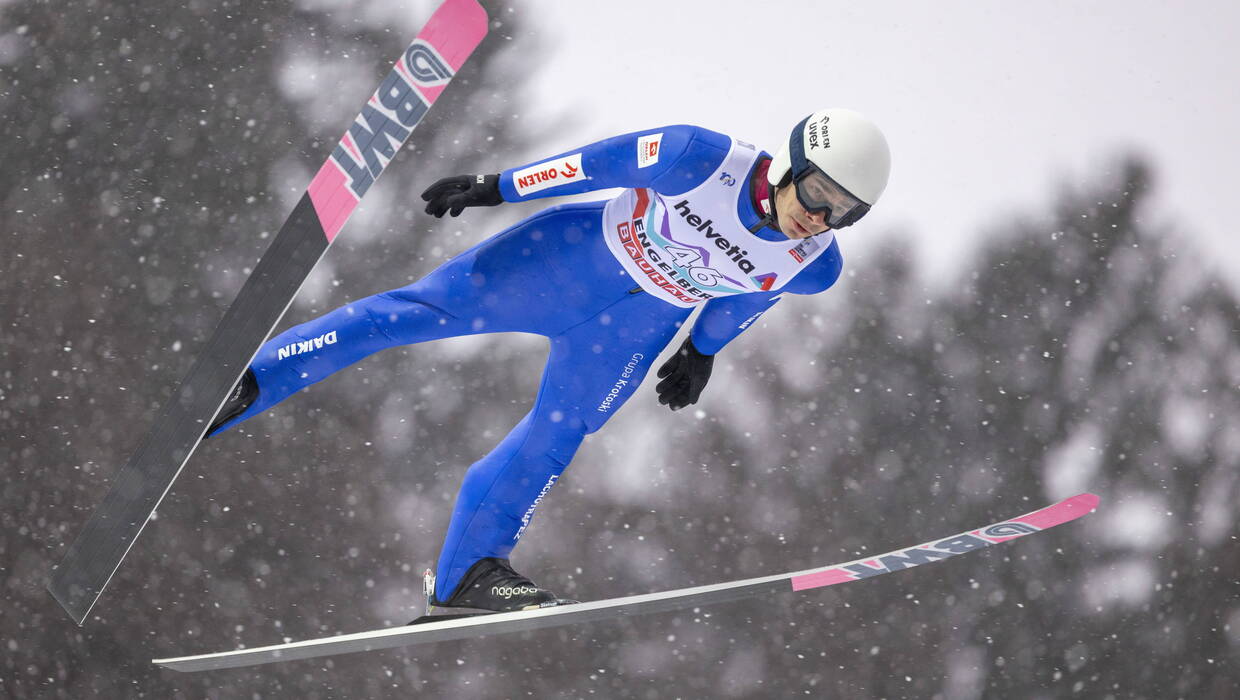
453	194
684	376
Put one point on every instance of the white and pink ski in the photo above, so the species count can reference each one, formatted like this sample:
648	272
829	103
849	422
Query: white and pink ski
500	623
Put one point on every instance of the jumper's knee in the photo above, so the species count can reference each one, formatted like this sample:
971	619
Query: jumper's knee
556	434
405	317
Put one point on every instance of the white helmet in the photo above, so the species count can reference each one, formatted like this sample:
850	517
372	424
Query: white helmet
839	161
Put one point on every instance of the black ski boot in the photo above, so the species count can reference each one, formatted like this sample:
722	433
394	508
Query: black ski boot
490	586
244	394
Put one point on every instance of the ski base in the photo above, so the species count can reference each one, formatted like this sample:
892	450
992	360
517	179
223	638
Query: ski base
526	620
443	618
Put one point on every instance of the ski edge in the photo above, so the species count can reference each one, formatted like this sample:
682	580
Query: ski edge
1059	513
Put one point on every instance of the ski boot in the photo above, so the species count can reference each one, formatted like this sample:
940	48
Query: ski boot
242	396
490	586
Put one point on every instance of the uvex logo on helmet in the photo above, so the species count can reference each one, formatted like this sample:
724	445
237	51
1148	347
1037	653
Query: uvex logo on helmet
813	129
846	146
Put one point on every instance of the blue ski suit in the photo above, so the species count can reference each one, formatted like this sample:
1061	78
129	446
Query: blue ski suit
609	307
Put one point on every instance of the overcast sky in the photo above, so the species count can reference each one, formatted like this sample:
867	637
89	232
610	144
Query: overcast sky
987	105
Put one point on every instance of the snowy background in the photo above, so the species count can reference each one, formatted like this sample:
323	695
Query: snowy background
1042	305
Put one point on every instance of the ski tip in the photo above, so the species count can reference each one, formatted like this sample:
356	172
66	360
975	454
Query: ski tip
1087	501
455	29
71	597
465	13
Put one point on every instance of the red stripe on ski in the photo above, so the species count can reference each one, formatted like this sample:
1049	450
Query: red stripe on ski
1050	516
830	577
1061	512
332	200
444	36
424	70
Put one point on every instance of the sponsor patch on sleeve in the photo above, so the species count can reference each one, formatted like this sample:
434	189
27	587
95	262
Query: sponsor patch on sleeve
551	173
648	149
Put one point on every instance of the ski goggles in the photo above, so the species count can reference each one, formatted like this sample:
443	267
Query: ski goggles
817	192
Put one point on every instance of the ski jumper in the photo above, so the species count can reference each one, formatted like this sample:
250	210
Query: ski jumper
608	282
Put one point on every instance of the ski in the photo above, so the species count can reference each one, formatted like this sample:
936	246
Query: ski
500	623
402	98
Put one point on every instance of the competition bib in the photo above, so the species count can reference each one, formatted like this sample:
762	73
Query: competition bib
689	248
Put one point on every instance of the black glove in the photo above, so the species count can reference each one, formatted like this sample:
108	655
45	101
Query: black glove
684	376
453	194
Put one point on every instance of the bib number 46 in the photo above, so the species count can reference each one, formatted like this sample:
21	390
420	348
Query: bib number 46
689	259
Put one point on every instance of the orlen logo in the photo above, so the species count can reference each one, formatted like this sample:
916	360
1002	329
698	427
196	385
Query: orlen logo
648	149
552	173
387	118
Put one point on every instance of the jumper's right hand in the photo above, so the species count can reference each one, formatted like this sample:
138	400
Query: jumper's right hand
452	194
684	376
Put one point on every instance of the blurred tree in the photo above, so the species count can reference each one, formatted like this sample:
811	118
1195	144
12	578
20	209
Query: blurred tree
153	143
1087	353
156	148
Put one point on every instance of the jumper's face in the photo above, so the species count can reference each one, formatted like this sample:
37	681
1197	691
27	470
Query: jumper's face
793	219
